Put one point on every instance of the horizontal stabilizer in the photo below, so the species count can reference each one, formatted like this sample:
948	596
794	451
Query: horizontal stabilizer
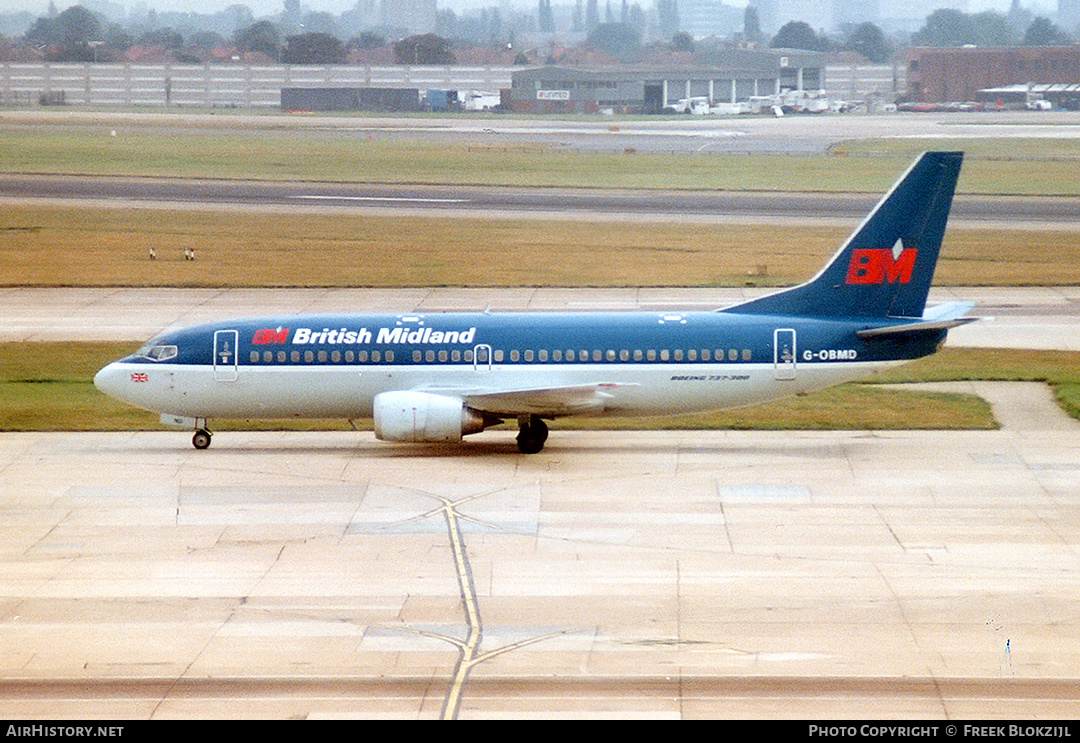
941	317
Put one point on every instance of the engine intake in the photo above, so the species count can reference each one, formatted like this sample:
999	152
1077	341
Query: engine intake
424	417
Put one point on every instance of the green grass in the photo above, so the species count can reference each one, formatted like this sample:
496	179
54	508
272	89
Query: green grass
48	387
992	166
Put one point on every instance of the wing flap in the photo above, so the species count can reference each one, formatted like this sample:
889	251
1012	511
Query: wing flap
544	401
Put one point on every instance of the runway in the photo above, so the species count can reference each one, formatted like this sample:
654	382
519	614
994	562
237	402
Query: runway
561	203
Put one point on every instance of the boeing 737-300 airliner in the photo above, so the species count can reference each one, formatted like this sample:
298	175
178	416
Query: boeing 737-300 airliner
438	377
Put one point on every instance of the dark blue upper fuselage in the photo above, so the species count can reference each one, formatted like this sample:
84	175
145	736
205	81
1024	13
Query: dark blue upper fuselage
522	338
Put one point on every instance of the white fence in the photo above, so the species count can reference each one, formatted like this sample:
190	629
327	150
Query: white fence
209	86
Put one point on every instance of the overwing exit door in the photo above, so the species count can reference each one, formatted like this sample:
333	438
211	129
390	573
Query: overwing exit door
225	342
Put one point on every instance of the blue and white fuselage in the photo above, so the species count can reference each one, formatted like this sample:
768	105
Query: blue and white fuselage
440	376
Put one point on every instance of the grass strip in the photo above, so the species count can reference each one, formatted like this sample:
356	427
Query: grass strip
1029	166
71	246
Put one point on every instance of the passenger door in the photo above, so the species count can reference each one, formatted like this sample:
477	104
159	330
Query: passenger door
225	358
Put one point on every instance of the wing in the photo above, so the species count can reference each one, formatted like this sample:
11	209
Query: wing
579	399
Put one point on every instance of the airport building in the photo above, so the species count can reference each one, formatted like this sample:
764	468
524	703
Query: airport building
737	78
947	75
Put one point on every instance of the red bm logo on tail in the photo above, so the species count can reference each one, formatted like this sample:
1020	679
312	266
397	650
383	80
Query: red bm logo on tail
879	266
270	335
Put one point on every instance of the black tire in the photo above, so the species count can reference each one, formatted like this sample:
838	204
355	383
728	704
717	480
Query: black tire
201	439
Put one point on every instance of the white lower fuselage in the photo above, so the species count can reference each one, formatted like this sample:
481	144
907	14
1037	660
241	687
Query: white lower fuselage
348	391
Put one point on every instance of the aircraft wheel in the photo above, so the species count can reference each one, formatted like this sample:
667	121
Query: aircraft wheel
532	435
201	439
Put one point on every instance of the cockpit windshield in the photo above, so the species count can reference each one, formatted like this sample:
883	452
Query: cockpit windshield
157	351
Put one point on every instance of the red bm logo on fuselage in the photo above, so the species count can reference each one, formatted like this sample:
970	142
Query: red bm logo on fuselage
265	336
879	266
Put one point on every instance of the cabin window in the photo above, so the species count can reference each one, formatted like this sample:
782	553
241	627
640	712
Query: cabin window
429	356
624	355
336	357
652	355
281	357
309	356
498	356
455	355
665	355
746	354
468	356
322	357
443	356
542	354
528	355
268	356
349	356
416	356
389	357
610	355
376	357
515	356
254	357
678	354
638	355
705	355
294	357
733	355
691	355
556	355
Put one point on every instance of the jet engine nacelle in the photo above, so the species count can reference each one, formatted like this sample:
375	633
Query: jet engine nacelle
421	416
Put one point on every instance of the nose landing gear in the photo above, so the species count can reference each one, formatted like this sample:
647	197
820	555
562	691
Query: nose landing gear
201	439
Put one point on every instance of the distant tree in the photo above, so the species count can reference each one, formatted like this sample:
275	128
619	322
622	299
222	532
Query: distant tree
427	49
798	35
163	37
76	26
948	27
944	27
367	40
869	41
313	48
991	29
205	40
620	40
1042	32
261	36
682	42
320	22
68	35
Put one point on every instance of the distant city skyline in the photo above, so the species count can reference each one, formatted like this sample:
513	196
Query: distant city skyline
269	7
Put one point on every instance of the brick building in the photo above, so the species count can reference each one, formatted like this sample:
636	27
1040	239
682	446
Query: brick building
958	74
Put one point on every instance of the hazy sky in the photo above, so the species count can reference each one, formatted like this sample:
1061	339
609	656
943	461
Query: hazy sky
265	7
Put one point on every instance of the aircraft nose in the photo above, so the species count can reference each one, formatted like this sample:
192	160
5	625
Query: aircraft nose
109	379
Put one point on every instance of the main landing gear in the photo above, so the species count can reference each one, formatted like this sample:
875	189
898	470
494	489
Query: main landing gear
201	439
532	434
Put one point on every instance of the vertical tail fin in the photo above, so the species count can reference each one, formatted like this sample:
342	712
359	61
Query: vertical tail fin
886	266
